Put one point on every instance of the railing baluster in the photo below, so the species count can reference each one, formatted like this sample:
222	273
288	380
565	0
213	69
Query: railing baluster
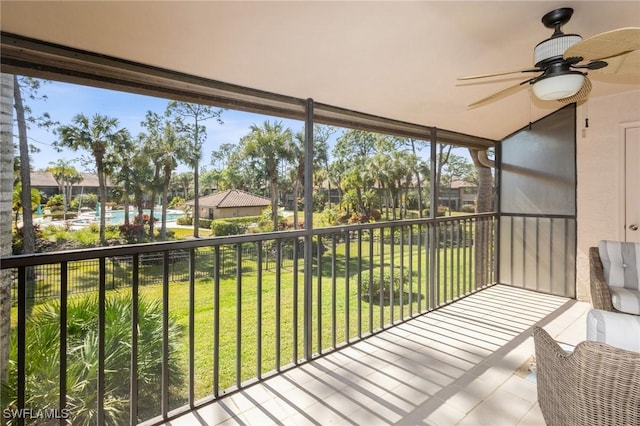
295	301
401	295
334	294
347	261
370	283
133	379
64	283
165	334
102	293
410	270
419	289
216	321
192	322
452	242
392	265
444	265
359	284
238	314
22	339
381	278
278	301
319	293
259	311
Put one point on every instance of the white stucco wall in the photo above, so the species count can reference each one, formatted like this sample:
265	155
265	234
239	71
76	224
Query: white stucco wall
599	193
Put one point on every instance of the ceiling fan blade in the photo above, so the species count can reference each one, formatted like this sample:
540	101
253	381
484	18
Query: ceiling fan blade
582	94
626	64
498	95
606	45
496	74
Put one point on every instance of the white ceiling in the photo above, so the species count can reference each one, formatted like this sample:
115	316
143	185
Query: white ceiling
394	59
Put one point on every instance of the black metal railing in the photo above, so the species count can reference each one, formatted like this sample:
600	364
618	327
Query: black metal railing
163	328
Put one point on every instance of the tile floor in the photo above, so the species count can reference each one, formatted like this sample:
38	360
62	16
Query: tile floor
454	366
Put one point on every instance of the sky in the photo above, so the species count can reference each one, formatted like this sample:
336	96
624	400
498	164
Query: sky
64	101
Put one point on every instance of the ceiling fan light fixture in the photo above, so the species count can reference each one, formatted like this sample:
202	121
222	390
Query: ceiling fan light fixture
558	86
554	47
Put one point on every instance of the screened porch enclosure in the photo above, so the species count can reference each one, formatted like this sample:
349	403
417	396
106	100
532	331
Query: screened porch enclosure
228	313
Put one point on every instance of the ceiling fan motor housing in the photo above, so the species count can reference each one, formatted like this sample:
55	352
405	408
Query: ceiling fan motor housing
553	48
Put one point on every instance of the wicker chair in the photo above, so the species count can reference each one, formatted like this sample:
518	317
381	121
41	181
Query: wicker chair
623	293
600	294
597	384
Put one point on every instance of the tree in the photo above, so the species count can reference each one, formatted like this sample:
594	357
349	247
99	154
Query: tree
184	181
268	145
100	135
28	235
484	203
183	112
167	147
66	176
209	179
125	172
17	205
6	189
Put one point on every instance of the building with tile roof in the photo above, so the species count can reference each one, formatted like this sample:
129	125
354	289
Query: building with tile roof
230	203
46	183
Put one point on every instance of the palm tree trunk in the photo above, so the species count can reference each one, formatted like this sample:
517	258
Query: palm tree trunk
196	199
6	195
29	239
28	233
484	203
102	189
273	183
165	191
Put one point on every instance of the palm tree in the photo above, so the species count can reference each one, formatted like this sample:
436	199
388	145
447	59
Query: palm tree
209	179
99	135
66	176
6	193
268	145
167	147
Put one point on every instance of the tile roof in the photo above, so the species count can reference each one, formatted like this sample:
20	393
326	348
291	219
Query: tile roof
42	178
232	198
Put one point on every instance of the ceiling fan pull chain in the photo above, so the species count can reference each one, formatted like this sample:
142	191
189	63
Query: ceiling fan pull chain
586	114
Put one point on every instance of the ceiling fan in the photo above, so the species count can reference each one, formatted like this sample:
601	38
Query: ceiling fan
562	61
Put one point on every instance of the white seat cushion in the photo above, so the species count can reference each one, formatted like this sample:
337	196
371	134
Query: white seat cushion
625	300
615	329
620	262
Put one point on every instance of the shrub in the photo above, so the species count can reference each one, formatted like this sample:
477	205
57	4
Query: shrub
468	208
43	351
204	223
176	201
221	227
185	220
55	200
133	232
399	276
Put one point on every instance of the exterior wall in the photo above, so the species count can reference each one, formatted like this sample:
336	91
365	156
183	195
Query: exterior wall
599	192
231	212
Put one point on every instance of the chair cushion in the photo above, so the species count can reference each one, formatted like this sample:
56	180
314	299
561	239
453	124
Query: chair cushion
625	300
615	329
620	262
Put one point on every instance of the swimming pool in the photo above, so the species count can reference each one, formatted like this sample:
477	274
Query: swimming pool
117	216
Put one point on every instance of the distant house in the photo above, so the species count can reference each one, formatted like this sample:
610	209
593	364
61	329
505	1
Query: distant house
230	203
46	183
459	194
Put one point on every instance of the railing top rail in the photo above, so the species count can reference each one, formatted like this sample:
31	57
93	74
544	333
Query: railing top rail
8	262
